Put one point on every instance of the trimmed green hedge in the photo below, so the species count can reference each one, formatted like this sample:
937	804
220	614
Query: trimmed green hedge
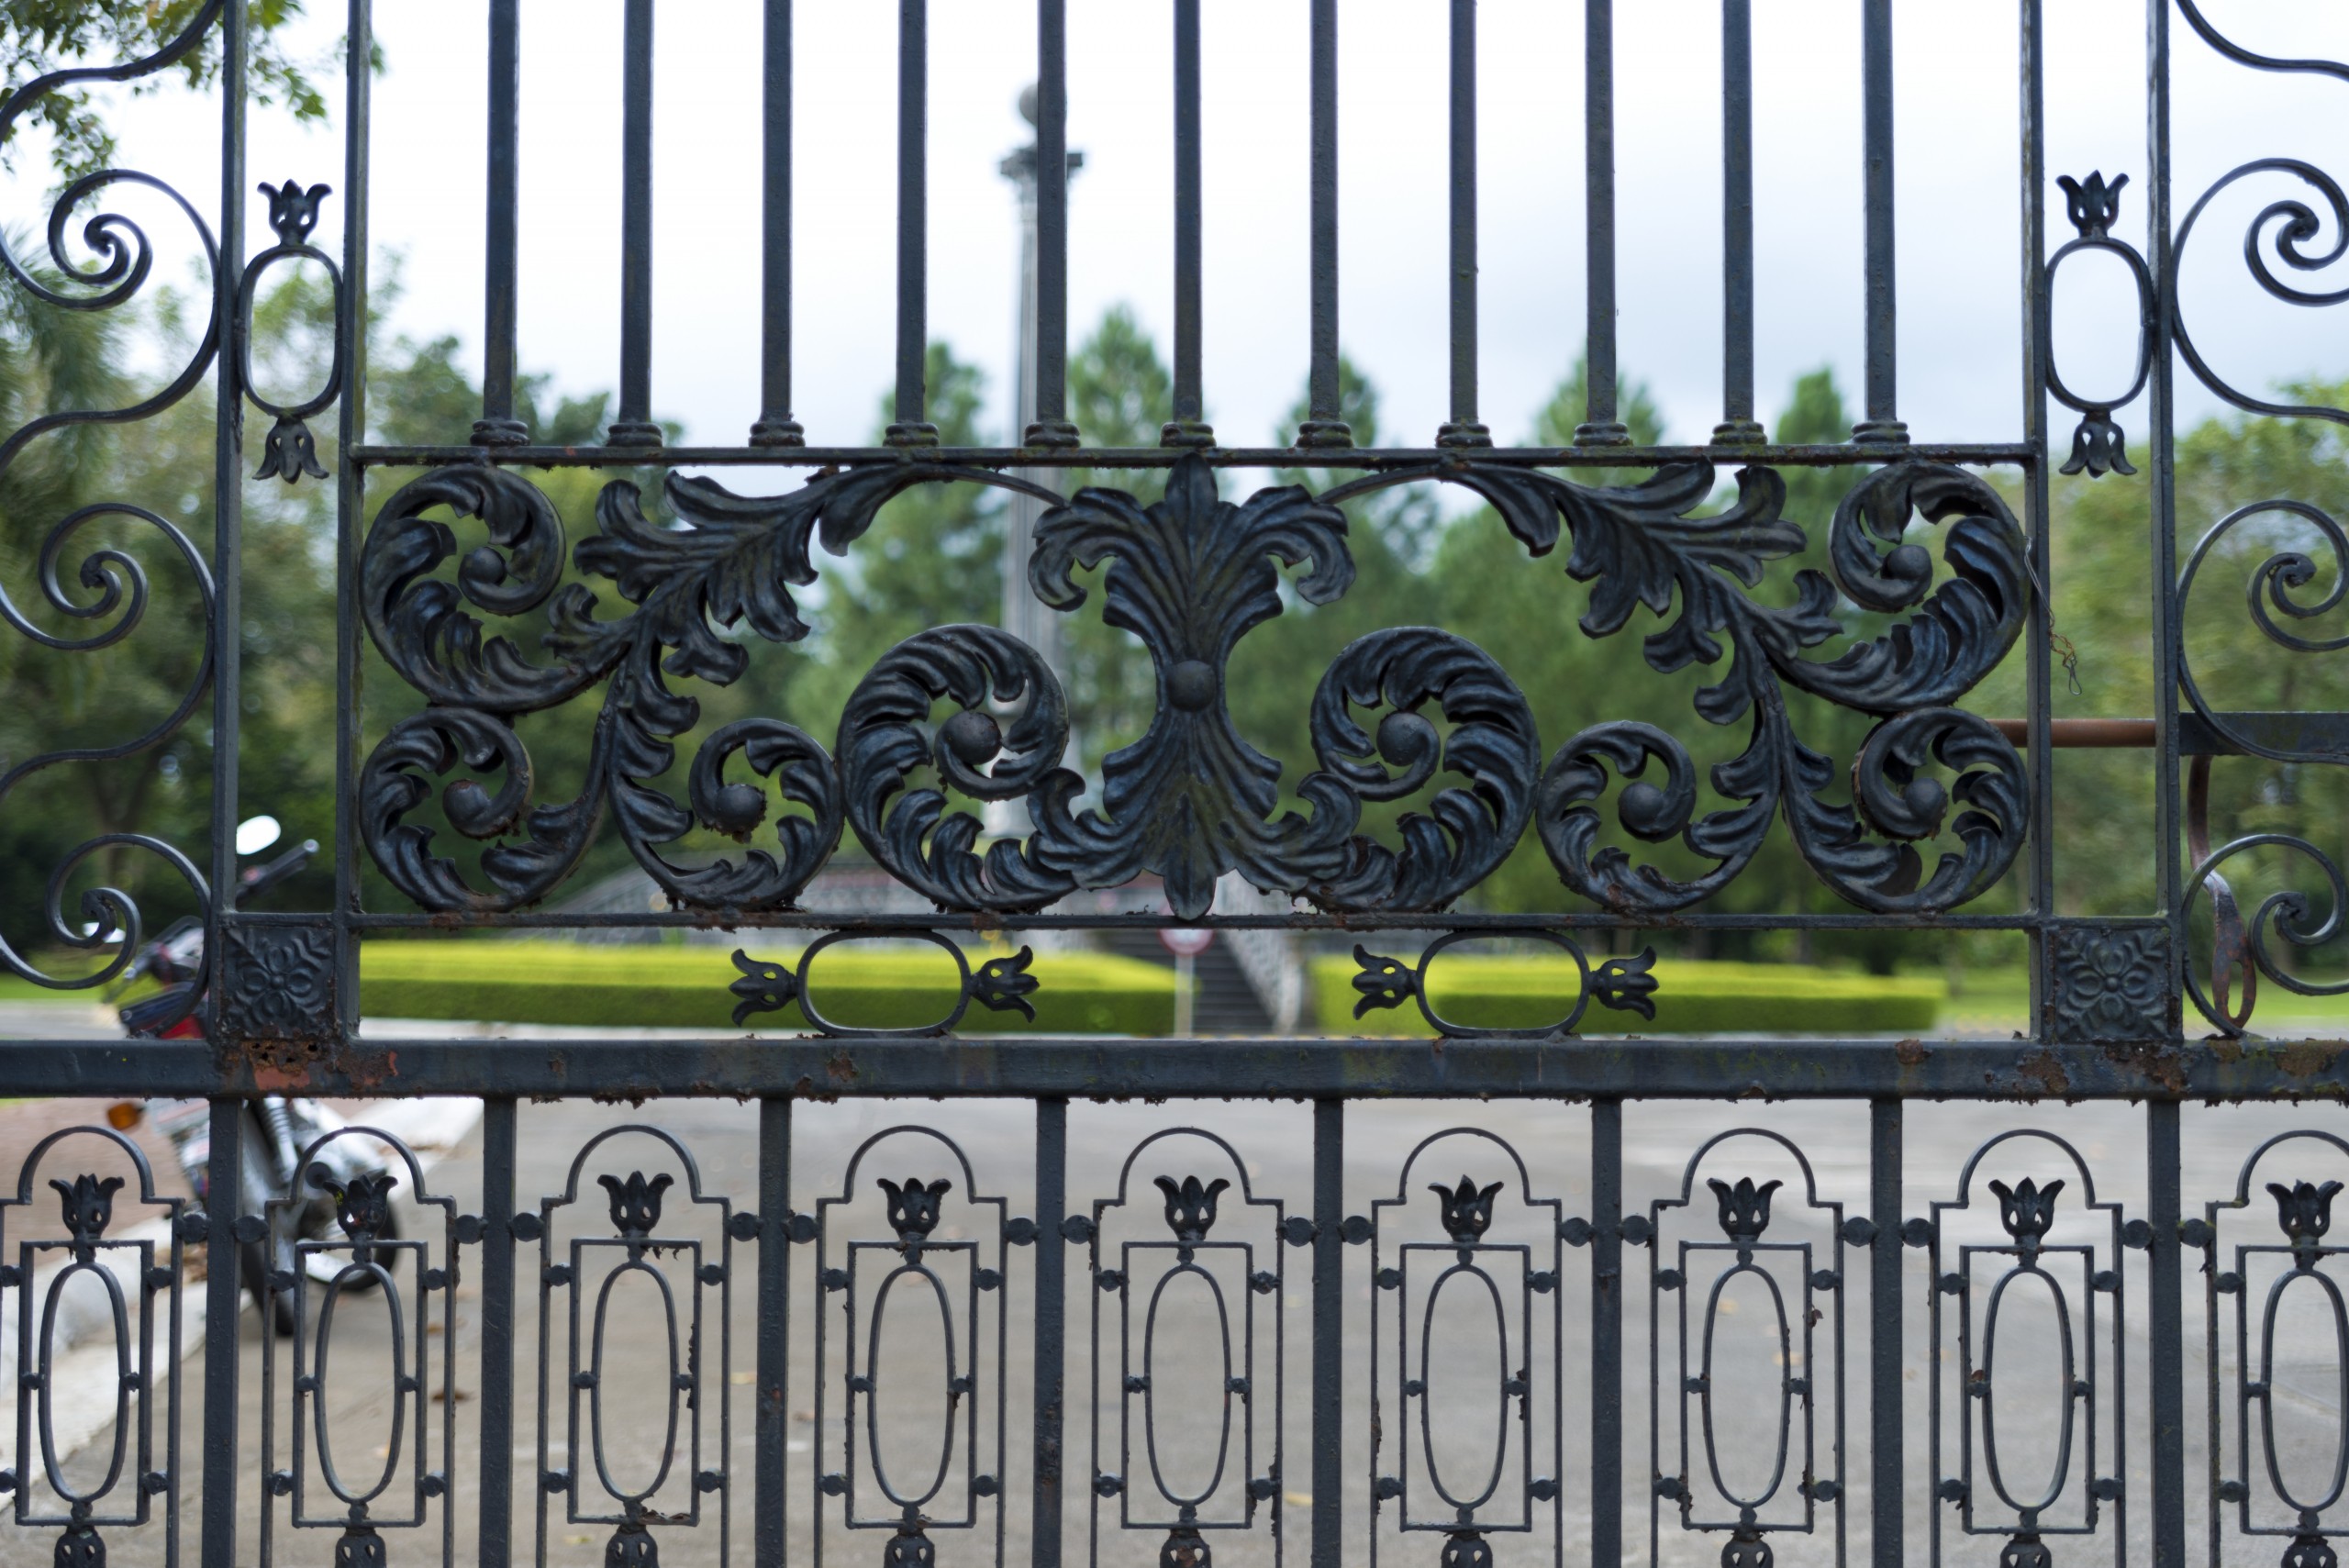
1691	997
863	985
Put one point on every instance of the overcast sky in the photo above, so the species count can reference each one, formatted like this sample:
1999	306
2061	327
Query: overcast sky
1957	161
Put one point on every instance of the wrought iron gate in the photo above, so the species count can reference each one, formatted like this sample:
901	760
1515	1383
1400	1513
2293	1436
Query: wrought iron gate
1190	803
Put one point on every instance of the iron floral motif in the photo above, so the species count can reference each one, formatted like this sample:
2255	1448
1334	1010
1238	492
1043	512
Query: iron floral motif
1190	1208
913	1206
1467	1209
88	1205
1745	1208
278	983
763	988
2027	1211
1622	984
636	1202
2109	984
362	1205
2099	447
1002	984
2304	1210
290	451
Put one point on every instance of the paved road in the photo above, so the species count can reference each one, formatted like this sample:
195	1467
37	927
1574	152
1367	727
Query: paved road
1273	1145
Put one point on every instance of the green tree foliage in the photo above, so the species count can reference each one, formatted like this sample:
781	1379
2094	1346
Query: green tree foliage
2101	581
37	37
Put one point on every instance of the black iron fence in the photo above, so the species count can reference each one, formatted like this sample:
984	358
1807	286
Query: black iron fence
649	1263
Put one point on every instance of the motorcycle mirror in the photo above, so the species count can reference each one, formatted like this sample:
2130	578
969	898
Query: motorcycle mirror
255	834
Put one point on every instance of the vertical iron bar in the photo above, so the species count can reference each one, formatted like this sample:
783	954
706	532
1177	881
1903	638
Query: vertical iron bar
775	426
1462	429
1887	1459
772	1422
634	426
223	1206
1738	426
1325	424
2165	1325
1606	1333
1328	1332
1052	427
497	426
2160	413
227	497
907	426
1052	1324
1600	427
1189	427
1883	422
500	1141
351	487
2036	319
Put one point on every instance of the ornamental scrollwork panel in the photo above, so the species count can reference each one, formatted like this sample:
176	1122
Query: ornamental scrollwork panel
1752	1447
1191	800
1467	1349
125	1245
2029	1350
2278	1348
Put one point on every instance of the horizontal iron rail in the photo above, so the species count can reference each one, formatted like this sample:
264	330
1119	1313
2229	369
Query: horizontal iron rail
1302	920
1026	1068
2197	736
1967	453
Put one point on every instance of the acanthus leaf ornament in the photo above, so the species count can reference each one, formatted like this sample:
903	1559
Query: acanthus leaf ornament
1189	576
734	562
1191	800
1957	633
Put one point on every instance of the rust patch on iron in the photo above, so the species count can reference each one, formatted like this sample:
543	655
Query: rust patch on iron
1910	1053
2041	1069
2307	1058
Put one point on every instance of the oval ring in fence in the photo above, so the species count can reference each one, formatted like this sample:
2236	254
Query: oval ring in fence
1444	1025
1466	1505
635	1265
2340	1404
2064	1422
51	1461
1785	1385
1150	1384
350	1275
2145	296
873	1378
826	1025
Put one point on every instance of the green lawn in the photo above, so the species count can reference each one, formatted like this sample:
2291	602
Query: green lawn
1692	997
864	985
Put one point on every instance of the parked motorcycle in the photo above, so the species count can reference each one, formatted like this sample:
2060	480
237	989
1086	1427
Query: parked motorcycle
277	1129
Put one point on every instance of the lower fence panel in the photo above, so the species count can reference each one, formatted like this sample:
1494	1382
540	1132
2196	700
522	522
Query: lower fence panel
1032	1330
